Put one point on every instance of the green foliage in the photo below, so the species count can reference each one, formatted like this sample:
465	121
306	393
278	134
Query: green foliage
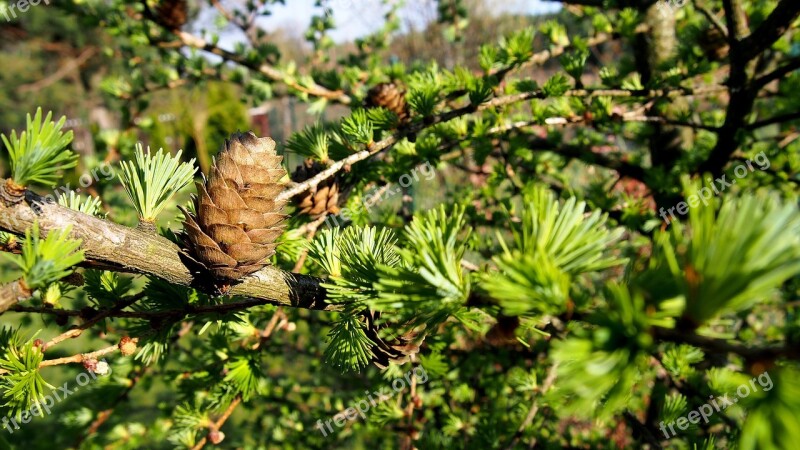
382	118
424	93
757	235
556	33
106	288
679	360
45	261
152	180
429	284
349	348
527	282
675	406
611	355
40	152
358	128
350	258
576	242
23	385
89	205
313	141
518	48
574	63
244	373
556	86
772	422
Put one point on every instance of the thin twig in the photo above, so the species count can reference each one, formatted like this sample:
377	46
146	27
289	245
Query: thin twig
773	120
75	332
698	5
79	358
410	434
265	69
63	71
389	141
548	383
279	315
215	426
311	230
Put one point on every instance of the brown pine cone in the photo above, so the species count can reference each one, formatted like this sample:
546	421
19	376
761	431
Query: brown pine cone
237	219
324	197
389	96
172	13
398	351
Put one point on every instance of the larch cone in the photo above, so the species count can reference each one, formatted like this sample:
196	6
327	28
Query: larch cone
389	96
320	199
237	219
172	13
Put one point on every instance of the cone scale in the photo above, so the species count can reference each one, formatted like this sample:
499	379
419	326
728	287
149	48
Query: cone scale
237	219
322	198
389	96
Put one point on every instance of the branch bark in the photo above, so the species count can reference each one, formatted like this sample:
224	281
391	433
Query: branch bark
13	293
773	27
126	249
265	69
65	70
742	96
505	100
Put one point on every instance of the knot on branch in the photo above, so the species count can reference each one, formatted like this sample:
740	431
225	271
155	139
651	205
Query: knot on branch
11	193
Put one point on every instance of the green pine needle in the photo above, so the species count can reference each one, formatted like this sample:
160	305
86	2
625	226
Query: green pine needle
726	260
313	141
424	99
243	373
106	288
89	205
425	91
382	118
44	261
675	406
349	347
553	243
612	355
358	128
517	48
527	283
772	421
153	179
430	284
575	242
23	385
350	258
39	153
678	360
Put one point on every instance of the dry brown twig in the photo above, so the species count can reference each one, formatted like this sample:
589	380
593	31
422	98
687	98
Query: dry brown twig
214	435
